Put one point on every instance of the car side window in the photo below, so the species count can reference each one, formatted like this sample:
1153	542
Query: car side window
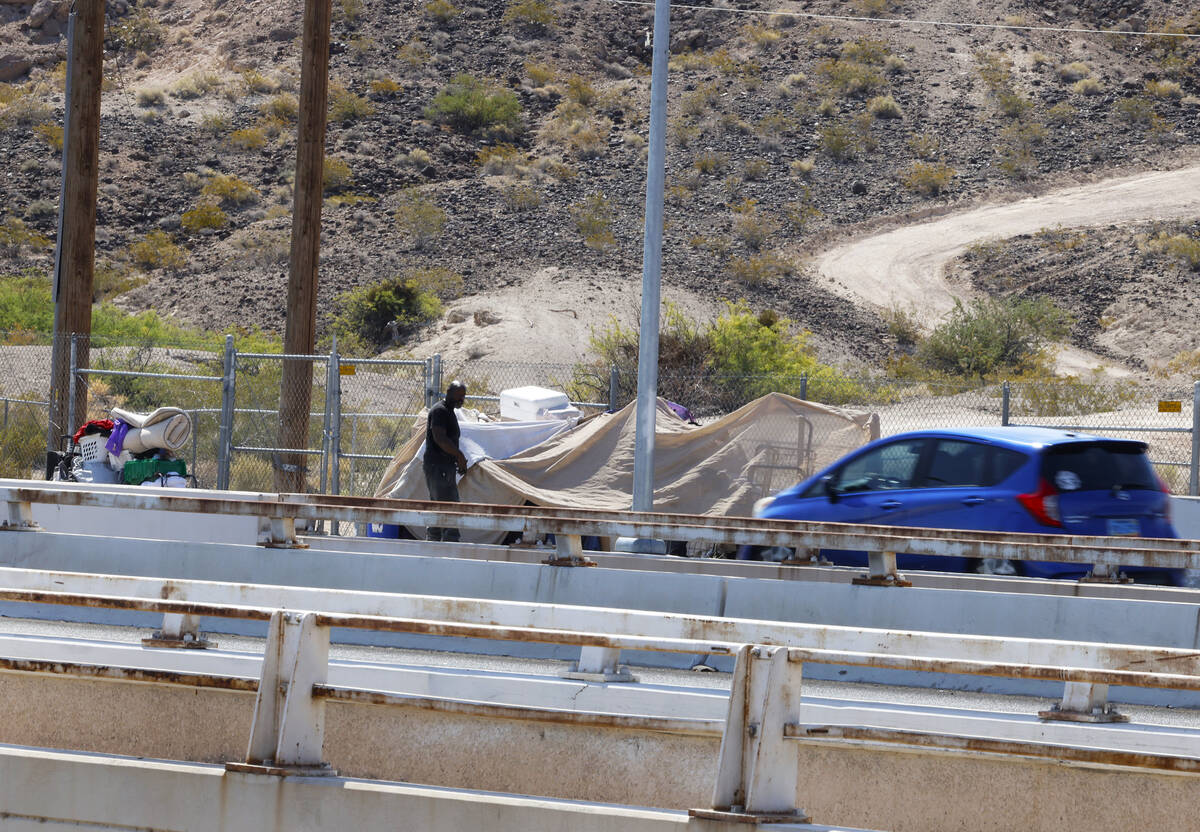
884	468
958	464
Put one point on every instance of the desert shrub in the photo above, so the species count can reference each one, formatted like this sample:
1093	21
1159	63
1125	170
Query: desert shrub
925	145
989	336
800	212
894	65
441	11
283	107
16	237
531	15
995	70
335	175
1075	71
593	220
903	324
699	101
849	77
761	36
1164	89
827	107
759	269
196	85
756	169
258	82
538	73
500	160
588	142
1135	110
439	281
25	303
51	134
205	215
708	162
580	90
1179	246
871	51
1087	86
345	106
229	190
215	123
138	31
840	141
802	167
929	178
22	439
884	106
1013	105
384	87
752	227
419	218
468	104
248	138
521	197
157	251
367	311
1061	114
151	97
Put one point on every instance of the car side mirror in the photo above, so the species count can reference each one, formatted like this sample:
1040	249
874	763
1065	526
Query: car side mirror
830	490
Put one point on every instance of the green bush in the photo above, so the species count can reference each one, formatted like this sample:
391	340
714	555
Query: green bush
366	312
469	104
157	251
441	11
884	106
229	190
335	174
593	221
204	215
750	226
928	179
22	439
345	106
419	217
137	32
16	236
990	336
532	15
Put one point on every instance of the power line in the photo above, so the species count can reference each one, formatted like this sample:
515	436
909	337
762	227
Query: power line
904	21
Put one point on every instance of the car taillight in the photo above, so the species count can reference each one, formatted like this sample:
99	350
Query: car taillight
1042	504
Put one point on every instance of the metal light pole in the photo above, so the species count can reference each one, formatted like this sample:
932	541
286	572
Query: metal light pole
647	393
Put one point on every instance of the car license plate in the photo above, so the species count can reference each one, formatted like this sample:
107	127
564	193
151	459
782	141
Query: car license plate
1123	526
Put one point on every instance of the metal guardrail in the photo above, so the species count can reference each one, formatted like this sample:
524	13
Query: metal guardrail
758	765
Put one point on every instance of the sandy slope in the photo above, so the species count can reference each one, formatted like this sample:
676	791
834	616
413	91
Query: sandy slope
907	266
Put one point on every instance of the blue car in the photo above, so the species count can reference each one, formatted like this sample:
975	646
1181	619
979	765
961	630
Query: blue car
1012	479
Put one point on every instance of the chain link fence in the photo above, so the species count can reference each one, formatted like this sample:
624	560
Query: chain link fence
362	409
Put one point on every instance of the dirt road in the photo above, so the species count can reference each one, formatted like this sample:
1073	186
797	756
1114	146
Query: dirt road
907	265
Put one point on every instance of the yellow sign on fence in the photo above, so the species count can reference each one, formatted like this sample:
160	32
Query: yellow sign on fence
348	370
1170	407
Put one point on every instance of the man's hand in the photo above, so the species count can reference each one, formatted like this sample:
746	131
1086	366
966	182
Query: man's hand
461	462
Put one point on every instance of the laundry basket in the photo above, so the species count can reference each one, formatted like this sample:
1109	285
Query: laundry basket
91	448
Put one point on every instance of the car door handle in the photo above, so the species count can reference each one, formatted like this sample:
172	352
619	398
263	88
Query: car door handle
973	501
888	505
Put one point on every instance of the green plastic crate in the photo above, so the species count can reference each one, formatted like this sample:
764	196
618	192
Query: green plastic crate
137	471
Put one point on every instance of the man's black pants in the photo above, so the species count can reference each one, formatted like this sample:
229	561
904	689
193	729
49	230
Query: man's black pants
443	487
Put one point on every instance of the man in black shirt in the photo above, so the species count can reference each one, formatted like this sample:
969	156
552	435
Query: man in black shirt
443	459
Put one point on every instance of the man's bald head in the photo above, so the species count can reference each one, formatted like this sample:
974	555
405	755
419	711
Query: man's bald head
456	394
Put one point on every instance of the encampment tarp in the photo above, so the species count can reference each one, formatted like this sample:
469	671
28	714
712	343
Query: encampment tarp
716	469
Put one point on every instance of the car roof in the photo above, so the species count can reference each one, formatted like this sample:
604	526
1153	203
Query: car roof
1012	436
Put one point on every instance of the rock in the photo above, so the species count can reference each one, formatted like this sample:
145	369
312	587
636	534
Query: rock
13	66
40	13
859	187
170	222
283	33
690	39
52	27
486	318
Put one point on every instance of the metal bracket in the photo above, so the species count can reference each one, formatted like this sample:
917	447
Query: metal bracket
18	517
811	557
278	533
758	771
568	551
881	571
179	631
1084	702
1103	573
288	731
599	664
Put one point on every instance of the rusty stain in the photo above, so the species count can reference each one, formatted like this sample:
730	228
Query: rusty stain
1062	753
126	674
140	604
668	725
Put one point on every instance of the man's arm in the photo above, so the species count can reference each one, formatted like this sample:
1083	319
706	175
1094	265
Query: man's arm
446	444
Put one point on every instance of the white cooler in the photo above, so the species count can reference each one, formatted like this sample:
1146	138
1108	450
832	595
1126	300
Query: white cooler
533	404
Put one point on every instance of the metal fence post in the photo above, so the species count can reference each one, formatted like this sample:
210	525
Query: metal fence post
326	418
1004	393
1194	468
225	431
71	380
804	387
436	392
614	382
335	426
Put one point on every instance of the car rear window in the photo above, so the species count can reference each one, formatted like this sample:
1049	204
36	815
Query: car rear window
1100	466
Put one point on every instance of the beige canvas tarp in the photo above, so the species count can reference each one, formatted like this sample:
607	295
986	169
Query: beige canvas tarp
717	469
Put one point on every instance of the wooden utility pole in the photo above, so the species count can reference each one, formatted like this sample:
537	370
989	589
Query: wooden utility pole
295	393
77	243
